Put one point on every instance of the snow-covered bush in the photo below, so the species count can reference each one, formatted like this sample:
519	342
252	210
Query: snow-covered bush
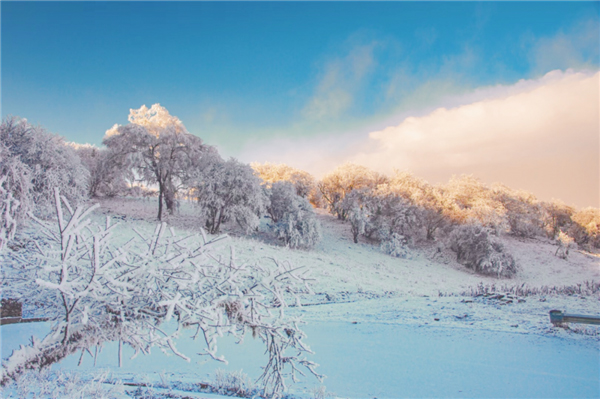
146	292
480	251
565	243
294	219
49	162
395	245
225	190
57	384
233	383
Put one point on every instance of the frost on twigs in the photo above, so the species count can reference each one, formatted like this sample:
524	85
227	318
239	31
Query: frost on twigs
145	292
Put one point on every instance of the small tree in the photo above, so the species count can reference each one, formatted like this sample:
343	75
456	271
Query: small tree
293	216
96	291
565	243
225	190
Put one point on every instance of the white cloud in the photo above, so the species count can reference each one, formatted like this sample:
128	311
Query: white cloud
548	120
541	135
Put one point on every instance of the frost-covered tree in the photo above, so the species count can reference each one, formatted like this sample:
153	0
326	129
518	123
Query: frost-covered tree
523	211
227	190
565	244
586	227
147	292
159	149
339	183
15	194
473	202
304	183
108	172
49	161
383	215
556	217
479	250
293	216
432	205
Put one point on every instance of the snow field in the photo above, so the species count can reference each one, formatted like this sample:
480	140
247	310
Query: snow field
372	320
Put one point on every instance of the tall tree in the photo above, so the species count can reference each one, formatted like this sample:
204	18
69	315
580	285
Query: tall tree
158	148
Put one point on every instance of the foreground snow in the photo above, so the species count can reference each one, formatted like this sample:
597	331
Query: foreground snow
366	360
389	327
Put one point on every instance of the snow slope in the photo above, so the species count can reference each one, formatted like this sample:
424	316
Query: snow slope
389	327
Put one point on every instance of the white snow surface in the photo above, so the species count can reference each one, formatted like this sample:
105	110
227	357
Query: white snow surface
388	327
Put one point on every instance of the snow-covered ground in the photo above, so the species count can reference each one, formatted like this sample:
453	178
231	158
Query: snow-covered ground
388	327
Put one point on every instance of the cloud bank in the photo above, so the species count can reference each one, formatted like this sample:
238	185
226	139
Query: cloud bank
541	135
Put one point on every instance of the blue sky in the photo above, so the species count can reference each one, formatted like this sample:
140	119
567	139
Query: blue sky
247	75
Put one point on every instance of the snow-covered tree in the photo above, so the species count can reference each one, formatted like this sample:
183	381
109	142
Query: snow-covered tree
293	216
146	292
50	161
108	173
381	213
523	211
304	183
479	250
15	194
586	227
339	183
226	190
474	202
159	149
565	243
556	217
432	205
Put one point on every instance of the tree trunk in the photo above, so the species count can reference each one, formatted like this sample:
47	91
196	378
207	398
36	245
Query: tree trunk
160	201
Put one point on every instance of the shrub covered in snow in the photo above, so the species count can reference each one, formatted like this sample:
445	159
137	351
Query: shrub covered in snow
56	384
294	219
96	291
480	251
233	383
395	245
